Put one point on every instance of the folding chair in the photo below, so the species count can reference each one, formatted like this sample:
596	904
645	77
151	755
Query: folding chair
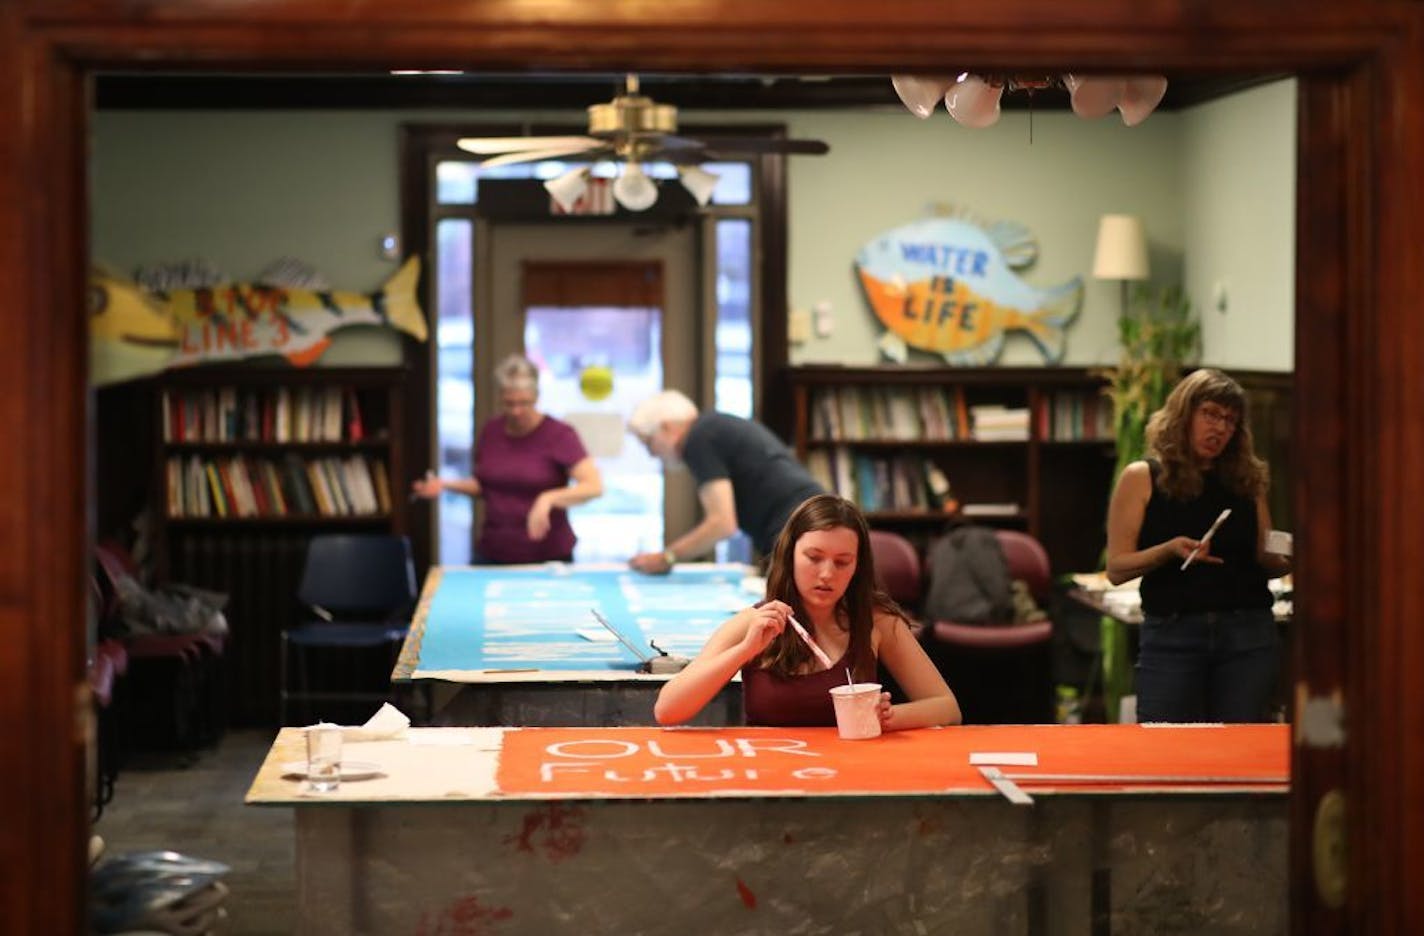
357	590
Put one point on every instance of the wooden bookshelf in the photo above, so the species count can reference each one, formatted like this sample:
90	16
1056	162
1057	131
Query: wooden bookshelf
247	464
1025	448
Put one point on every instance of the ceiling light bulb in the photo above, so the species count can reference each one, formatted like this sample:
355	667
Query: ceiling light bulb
634	190
699	182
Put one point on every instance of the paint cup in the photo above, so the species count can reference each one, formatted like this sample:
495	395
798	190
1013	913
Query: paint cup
857	710
1279	543
323	757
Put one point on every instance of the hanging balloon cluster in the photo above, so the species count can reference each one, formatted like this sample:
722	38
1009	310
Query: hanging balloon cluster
973	100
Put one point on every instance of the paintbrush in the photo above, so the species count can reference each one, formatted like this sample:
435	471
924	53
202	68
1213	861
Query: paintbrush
1220	518
801	632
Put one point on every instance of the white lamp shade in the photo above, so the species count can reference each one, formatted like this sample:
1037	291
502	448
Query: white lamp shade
1122	248
568	188
699	182
1140	97
1093	97
921	94
973	102
634	190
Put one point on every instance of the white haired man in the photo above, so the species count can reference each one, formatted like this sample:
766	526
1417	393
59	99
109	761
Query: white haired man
746	477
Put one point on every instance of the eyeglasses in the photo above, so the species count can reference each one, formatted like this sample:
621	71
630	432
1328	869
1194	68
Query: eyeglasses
1220	415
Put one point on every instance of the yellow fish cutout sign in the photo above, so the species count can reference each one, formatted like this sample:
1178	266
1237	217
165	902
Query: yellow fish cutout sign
135	332
947	286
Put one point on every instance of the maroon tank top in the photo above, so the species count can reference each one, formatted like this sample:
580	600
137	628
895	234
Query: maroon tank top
791	701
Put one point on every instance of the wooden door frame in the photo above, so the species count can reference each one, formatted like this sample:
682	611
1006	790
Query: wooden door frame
1359	415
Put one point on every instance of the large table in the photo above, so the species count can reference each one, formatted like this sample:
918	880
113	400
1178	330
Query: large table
1132	829
519	645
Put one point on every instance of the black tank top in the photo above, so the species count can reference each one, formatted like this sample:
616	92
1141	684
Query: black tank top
1236	584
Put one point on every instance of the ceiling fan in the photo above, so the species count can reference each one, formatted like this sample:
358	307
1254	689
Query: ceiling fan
633	129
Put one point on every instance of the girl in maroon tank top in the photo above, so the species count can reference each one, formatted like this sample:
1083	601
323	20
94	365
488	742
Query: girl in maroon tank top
821	573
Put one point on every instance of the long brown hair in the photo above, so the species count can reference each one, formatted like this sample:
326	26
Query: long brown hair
787	655
1169	439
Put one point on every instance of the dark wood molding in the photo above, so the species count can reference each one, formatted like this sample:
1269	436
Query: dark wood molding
1359	419
523	92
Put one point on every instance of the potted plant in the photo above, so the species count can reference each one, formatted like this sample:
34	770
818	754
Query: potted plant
1160	334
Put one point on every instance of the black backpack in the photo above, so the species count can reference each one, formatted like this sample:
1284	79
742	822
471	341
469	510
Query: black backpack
968	578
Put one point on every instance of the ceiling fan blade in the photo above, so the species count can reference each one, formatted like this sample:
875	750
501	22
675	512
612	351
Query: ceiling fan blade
754	145
558	152
766	145
668	143
484	146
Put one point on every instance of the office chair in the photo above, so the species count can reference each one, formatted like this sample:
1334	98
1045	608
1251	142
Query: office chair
899	573
1002	673
357	590
897	566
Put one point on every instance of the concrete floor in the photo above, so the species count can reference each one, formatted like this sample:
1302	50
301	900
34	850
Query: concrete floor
198	810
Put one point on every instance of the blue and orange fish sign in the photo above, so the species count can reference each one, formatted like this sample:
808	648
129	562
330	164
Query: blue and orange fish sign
947	286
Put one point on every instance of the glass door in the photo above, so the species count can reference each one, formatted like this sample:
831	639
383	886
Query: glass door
608	312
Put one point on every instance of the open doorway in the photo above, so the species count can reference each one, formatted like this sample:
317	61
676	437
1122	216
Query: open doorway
1339	384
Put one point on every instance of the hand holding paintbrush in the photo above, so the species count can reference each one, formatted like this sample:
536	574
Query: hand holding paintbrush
1205	541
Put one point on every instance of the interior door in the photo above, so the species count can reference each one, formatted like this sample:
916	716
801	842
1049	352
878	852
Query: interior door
600	295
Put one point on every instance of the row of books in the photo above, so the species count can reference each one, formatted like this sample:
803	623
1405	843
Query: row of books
899	482
903	413
1068	415
275	414
246	486
943	413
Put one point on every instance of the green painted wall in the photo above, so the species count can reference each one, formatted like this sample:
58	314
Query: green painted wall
244	188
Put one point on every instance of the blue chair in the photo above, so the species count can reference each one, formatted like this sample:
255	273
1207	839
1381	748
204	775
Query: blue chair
358	590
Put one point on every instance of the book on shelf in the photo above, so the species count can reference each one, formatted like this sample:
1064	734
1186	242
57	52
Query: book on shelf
998	423
1005	509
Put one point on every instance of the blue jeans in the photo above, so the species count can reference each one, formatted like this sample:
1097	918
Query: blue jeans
1215	666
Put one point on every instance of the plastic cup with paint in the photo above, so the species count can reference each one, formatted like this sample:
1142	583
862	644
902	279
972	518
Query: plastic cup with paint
857	710
323	757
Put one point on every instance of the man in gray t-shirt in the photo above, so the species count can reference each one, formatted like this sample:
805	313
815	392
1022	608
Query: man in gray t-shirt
746	477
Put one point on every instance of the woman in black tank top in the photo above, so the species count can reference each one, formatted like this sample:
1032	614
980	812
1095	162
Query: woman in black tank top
1208	648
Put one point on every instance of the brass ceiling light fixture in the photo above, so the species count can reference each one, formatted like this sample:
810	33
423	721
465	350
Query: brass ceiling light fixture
634	130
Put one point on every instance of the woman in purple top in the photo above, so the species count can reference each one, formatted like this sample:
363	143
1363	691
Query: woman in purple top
524	461
822	573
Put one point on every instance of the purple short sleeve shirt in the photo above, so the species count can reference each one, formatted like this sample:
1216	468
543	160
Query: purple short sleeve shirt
513	471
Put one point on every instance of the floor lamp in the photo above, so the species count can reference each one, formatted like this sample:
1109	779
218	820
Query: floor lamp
1121	255
1122	251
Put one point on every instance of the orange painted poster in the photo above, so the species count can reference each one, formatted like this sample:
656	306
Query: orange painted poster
702	762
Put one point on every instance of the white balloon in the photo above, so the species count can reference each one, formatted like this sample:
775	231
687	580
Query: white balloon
920	93
973	101
1140	97
1093	97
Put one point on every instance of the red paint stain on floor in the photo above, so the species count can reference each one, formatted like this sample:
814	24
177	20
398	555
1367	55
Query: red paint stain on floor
554	832
465	916
745	892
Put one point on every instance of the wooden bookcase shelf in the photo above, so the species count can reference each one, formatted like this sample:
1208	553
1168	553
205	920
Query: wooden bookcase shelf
247	464
1031	447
